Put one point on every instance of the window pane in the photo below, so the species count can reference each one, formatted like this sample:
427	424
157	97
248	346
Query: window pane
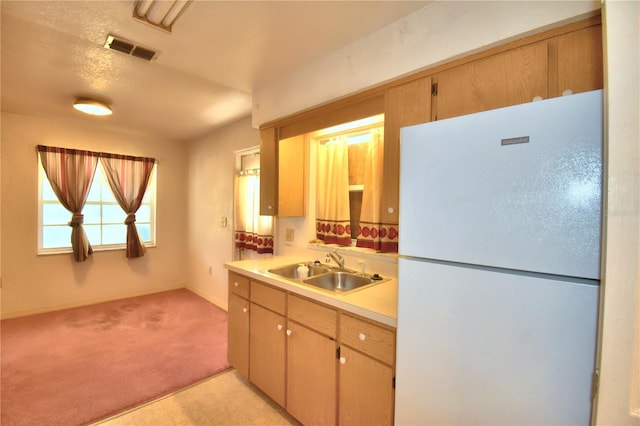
94	192
55	214
143	214
56	236
91	214
112	213
47	191
147	195
107	194
145	232
114	234
103	217
93	234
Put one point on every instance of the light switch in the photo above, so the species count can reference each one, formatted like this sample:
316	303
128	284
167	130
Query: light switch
289	234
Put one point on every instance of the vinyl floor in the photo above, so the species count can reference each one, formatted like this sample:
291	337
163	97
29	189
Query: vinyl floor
225	399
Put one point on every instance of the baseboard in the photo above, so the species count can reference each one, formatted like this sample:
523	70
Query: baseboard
222	304
17	314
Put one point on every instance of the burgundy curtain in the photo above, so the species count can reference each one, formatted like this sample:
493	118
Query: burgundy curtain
70	173
128	178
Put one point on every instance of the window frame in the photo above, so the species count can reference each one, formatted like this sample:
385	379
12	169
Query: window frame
353	129
151	193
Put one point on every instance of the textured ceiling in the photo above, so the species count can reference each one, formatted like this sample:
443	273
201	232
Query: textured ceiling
52	52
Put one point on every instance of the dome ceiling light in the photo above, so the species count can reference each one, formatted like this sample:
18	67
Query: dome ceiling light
92	107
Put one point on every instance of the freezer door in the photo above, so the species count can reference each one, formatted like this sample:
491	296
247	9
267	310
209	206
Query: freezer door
479	347
517	187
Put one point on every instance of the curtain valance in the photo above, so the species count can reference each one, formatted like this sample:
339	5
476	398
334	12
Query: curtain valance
73	151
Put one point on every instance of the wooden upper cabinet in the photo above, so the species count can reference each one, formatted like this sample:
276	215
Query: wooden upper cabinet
268	171
579	61
407	104
510	78
538	66
282	179
291	182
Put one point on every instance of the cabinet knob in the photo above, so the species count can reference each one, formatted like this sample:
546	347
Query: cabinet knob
288	332
390	210
362	336
270	207
279	326
342	360
244	310
236	283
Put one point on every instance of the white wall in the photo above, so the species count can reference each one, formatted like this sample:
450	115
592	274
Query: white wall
33	283
620	357
210	191
436	33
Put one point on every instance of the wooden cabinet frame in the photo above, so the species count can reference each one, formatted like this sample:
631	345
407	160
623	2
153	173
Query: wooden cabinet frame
565	50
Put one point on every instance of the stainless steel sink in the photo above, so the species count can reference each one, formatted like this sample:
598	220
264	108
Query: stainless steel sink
328	278
340	281
291	271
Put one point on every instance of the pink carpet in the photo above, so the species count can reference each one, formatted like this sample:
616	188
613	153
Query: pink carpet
80	365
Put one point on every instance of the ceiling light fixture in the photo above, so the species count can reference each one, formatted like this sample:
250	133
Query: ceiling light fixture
92	107
161	14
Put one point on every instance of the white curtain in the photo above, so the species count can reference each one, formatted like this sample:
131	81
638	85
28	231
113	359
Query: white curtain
252	231
332	208
373	233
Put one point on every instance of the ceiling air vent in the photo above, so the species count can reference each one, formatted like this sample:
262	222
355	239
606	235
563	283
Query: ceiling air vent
124	46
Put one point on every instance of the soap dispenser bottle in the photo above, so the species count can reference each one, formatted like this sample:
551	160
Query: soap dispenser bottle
303	271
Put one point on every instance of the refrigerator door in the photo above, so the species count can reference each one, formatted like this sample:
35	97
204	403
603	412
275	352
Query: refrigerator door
516	187
476	346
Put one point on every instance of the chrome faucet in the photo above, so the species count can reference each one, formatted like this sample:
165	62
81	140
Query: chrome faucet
337	258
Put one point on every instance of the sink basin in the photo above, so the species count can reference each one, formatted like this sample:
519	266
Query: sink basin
341	281
291	271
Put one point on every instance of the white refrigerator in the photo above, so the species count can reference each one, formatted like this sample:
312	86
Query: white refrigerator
499	269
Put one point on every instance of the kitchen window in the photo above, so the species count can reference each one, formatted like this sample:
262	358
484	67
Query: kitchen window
344	183
103	217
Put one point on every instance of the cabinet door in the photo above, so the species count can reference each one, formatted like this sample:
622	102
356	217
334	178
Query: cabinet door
268	171
405	105
238	334
509	78
291	182
366	390
311	376
580	61
267	359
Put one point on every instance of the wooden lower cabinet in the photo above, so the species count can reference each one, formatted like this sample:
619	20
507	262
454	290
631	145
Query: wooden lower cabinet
365	395
288	346
311	376
238	334
267	354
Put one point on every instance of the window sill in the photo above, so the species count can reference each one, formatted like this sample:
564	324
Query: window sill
48	252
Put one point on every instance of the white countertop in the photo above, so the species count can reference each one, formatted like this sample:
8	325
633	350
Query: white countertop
378	302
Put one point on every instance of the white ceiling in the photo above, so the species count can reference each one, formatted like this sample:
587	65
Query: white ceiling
52	52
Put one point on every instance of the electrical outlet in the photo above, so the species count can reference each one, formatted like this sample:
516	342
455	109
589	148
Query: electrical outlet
223	221
288	236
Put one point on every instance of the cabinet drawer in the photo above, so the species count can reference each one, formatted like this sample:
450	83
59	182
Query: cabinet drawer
268	297
239	284
376	341
313	315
